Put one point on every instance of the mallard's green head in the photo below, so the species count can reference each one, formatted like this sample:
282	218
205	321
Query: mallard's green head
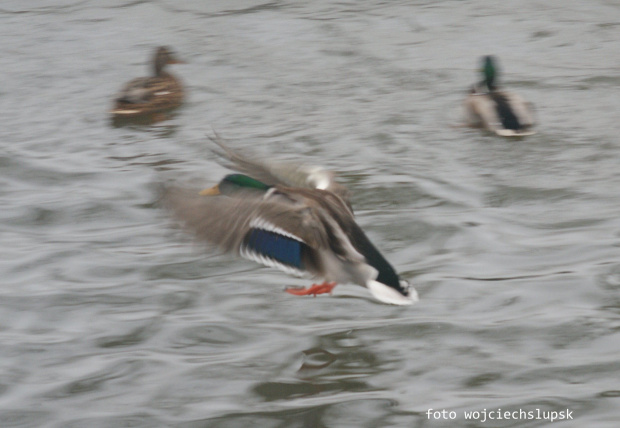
490	71
235	182
164	56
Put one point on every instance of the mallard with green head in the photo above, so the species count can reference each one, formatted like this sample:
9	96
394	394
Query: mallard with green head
488	106
300	230
149	95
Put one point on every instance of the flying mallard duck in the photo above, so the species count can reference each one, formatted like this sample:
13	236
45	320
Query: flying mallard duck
505	113
303	230
147	95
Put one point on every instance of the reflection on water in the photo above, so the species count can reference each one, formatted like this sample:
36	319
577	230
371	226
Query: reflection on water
315	359
110	317
137	122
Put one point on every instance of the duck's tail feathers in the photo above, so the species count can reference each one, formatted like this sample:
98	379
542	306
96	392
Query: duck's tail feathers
514	133
387	294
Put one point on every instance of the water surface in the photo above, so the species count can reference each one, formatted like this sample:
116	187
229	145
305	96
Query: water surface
109	317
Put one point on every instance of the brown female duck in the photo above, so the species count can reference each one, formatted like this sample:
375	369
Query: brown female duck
154	94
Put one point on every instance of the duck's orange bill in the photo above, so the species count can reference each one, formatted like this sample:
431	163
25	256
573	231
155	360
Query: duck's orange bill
211	191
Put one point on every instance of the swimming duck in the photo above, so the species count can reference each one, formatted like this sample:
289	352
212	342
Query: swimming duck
147	95
499	111
300	230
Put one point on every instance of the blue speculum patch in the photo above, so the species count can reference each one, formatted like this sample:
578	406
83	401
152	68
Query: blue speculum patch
275	246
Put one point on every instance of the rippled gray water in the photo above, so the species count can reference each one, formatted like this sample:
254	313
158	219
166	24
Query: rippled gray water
109	317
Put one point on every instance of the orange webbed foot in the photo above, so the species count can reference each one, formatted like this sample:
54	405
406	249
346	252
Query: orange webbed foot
315	289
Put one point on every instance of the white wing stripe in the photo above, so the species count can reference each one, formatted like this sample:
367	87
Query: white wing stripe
259	223
247	253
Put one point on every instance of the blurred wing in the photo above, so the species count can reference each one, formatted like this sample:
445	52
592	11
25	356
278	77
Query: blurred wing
521	108
148	90
276	173
135	91
482	107
272	233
